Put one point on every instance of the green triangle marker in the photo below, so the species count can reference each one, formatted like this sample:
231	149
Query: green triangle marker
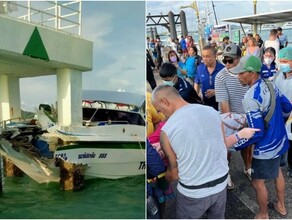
35	47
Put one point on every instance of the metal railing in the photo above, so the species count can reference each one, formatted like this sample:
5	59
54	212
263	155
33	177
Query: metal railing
59	15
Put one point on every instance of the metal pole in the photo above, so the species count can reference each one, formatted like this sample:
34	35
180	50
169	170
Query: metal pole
1	174
201	44
255	7
28	10
255	12
80	18
195	7
214	13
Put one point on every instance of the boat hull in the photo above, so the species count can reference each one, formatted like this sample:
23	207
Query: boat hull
106	159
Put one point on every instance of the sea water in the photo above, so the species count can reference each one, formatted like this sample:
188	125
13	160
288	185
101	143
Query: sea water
23	198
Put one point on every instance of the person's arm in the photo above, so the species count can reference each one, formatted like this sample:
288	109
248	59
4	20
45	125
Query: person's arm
225	106
245	133
182	68
221	94
172	170
255	120
286	44
191	68
285	105
197	88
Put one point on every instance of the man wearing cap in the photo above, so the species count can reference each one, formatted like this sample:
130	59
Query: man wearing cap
229	94
264	106
283	80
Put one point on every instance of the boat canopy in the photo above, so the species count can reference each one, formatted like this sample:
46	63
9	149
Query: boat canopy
127	98
264	18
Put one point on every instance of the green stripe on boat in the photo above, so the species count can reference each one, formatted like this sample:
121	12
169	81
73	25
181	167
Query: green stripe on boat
109	145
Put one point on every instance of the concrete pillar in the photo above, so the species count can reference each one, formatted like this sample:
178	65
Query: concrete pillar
184	29
155	31
9	97
69	85
71	175
11	170
151	33
1	174
172	25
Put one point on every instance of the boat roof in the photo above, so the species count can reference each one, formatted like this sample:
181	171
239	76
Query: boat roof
127	98
264	18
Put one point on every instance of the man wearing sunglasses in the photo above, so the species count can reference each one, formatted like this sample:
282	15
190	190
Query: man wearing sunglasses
229	94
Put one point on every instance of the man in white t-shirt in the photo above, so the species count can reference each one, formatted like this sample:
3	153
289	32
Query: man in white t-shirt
274	42
195	146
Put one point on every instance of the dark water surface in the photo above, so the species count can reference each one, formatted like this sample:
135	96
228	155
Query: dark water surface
22	197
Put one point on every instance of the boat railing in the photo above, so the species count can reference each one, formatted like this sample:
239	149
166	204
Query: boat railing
3	124
59	15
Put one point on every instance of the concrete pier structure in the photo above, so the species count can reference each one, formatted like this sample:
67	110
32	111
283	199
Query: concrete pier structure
29	50
9	97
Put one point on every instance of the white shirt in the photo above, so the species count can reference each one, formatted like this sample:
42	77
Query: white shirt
195	135
276	45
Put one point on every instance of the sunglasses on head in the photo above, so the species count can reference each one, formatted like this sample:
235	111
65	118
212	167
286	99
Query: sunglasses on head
228	60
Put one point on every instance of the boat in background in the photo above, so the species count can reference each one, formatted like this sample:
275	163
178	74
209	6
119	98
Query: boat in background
287	25
268	27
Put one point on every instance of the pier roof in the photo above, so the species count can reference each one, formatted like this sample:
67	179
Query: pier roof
264	18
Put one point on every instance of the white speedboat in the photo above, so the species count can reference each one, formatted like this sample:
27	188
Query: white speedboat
287	25
268	27
111	141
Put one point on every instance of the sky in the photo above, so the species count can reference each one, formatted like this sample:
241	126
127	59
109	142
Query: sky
117	30
224	9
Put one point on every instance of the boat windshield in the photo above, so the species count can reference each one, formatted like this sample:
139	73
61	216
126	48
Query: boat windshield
93	116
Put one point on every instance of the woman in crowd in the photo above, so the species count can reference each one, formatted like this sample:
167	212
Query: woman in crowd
252	48
180	66
269	66
191	64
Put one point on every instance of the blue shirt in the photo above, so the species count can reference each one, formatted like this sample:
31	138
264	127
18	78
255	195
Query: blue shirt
185	89
182	66
271	141
203	76
191	67
207	81
266	72
283	39
183	44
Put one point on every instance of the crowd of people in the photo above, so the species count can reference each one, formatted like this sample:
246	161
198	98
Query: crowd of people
209	106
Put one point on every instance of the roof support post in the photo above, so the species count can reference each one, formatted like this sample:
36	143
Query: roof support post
69	84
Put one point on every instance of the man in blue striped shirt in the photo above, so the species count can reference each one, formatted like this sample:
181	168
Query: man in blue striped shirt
229	94
271	142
